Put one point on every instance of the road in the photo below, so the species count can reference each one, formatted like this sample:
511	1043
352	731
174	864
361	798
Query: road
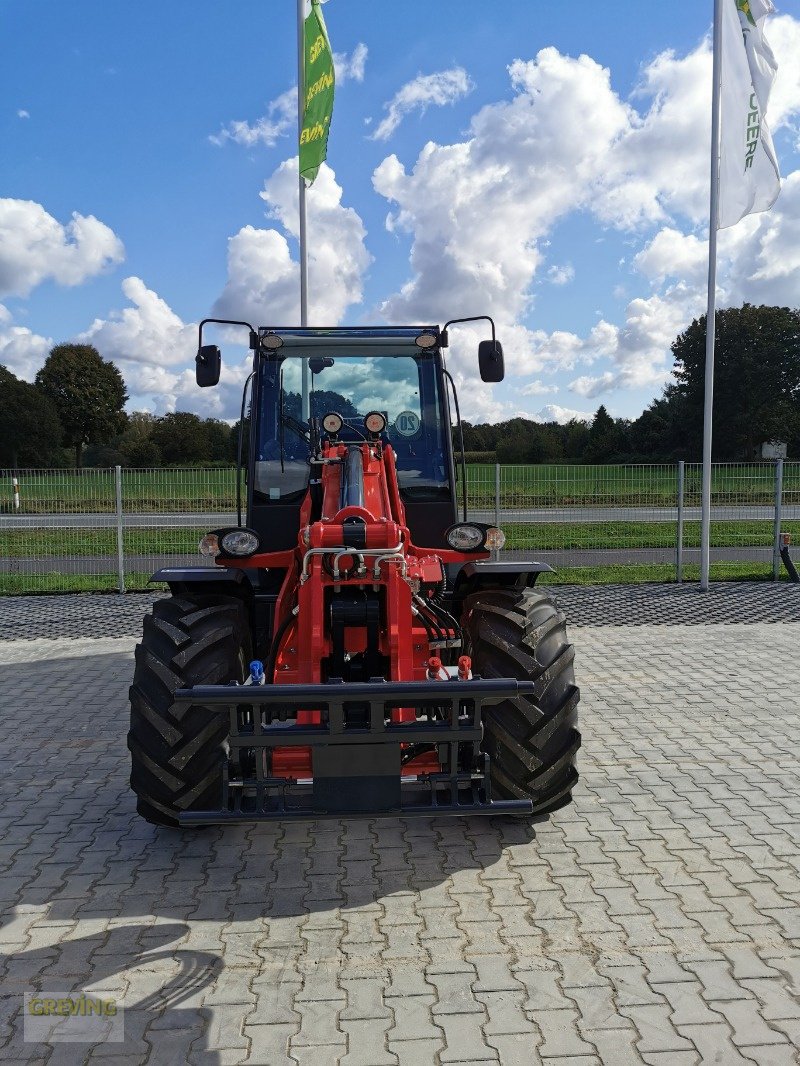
532	516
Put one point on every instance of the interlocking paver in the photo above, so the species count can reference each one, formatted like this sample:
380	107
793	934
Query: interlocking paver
654	921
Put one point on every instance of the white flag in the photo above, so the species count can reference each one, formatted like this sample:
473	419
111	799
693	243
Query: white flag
749	177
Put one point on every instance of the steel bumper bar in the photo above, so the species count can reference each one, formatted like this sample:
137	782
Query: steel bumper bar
356	751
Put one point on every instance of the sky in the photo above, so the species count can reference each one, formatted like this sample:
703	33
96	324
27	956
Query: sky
545	164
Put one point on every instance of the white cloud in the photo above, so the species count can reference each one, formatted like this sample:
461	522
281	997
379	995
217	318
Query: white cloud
281	114
350	67
22	113
758	262
152	345
280	118
263	278
149	332
561	275
35	247
553	413
538	388
480	212
21	351
422	92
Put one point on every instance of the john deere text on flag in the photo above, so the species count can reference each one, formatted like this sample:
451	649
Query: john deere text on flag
318	86
749	176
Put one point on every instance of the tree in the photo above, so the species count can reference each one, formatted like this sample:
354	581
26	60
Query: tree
136	441
756	380
576	438
30	429
218	434
660	430
88	393
604	438
182	437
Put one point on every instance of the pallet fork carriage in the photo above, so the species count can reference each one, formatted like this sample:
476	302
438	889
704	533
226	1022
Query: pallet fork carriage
328	665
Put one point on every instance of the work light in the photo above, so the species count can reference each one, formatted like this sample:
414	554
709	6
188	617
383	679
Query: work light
465	537
239	542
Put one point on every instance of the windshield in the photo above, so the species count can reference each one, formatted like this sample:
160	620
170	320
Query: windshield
403	388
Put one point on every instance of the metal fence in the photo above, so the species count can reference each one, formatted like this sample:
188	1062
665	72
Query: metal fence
625	515
105	529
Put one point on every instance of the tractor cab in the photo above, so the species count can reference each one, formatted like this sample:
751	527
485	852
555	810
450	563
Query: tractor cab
351	374
300	375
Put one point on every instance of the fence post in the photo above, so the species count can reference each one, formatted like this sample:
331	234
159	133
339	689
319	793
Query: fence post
15	491
496	552
120	540
679	531
776	540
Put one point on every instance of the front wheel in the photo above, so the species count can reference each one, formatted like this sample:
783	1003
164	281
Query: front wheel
532	742
177	751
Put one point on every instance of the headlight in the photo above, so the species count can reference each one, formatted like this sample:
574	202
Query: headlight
375	423
465	537
332	423
495	538
239	542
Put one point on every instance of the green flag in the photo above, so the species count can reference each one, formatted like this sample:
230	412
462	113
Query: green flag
318	88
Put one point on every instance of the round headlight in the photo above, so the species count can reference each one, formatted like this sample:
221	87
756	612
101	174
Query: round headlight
465	538
426	340
239	542
332	423
375	423
495	538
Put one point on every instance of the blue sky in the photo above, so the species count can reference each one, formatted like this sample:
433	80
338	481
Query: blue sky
585	251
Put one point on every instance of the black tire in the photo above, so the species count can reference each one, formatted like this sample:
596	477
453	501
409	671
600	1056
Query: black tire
532	743
177	752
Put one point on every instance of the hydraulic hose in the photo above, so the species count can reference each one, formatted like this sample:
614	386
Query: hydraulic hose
269	668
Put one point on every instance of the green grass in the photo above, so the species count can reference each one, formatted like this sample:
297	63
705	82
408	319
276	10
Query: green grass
25	543
521	486
651	574
149	491
603	535
612	486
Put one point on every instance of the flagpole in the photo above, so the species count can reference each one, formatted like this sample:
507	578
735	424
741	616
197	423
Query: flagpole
305	412
713	222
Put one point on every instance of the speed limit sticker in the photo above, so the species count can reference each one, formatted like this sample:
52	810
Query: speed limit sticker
407	424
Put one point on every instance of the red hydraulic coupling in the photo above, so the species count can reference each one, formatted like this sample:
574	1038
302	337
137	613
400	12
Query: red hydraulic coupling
464	668
434	668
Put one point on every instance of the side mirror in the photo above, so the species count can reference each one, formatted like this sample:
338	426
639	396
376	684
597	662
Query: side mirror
490	361
208	364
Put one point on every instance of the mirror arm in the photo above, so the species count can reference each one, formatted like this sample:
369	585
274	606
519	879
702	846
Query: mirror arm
449	377
457	321
219	322
239	449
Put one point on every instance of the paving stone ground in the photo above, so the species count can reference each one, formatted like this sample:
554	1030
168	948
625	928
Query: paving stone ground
656	920
112	615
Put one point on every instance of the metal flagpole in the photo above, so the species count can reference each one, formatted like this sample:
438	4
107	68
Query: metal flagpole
713	222
305	411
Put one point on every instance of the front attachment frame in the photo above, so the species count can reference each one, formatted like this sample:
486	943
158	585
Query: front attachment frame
356	750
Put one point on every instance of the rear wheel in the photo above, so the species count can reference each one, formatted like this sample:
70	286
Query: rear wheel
532	742
177	750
